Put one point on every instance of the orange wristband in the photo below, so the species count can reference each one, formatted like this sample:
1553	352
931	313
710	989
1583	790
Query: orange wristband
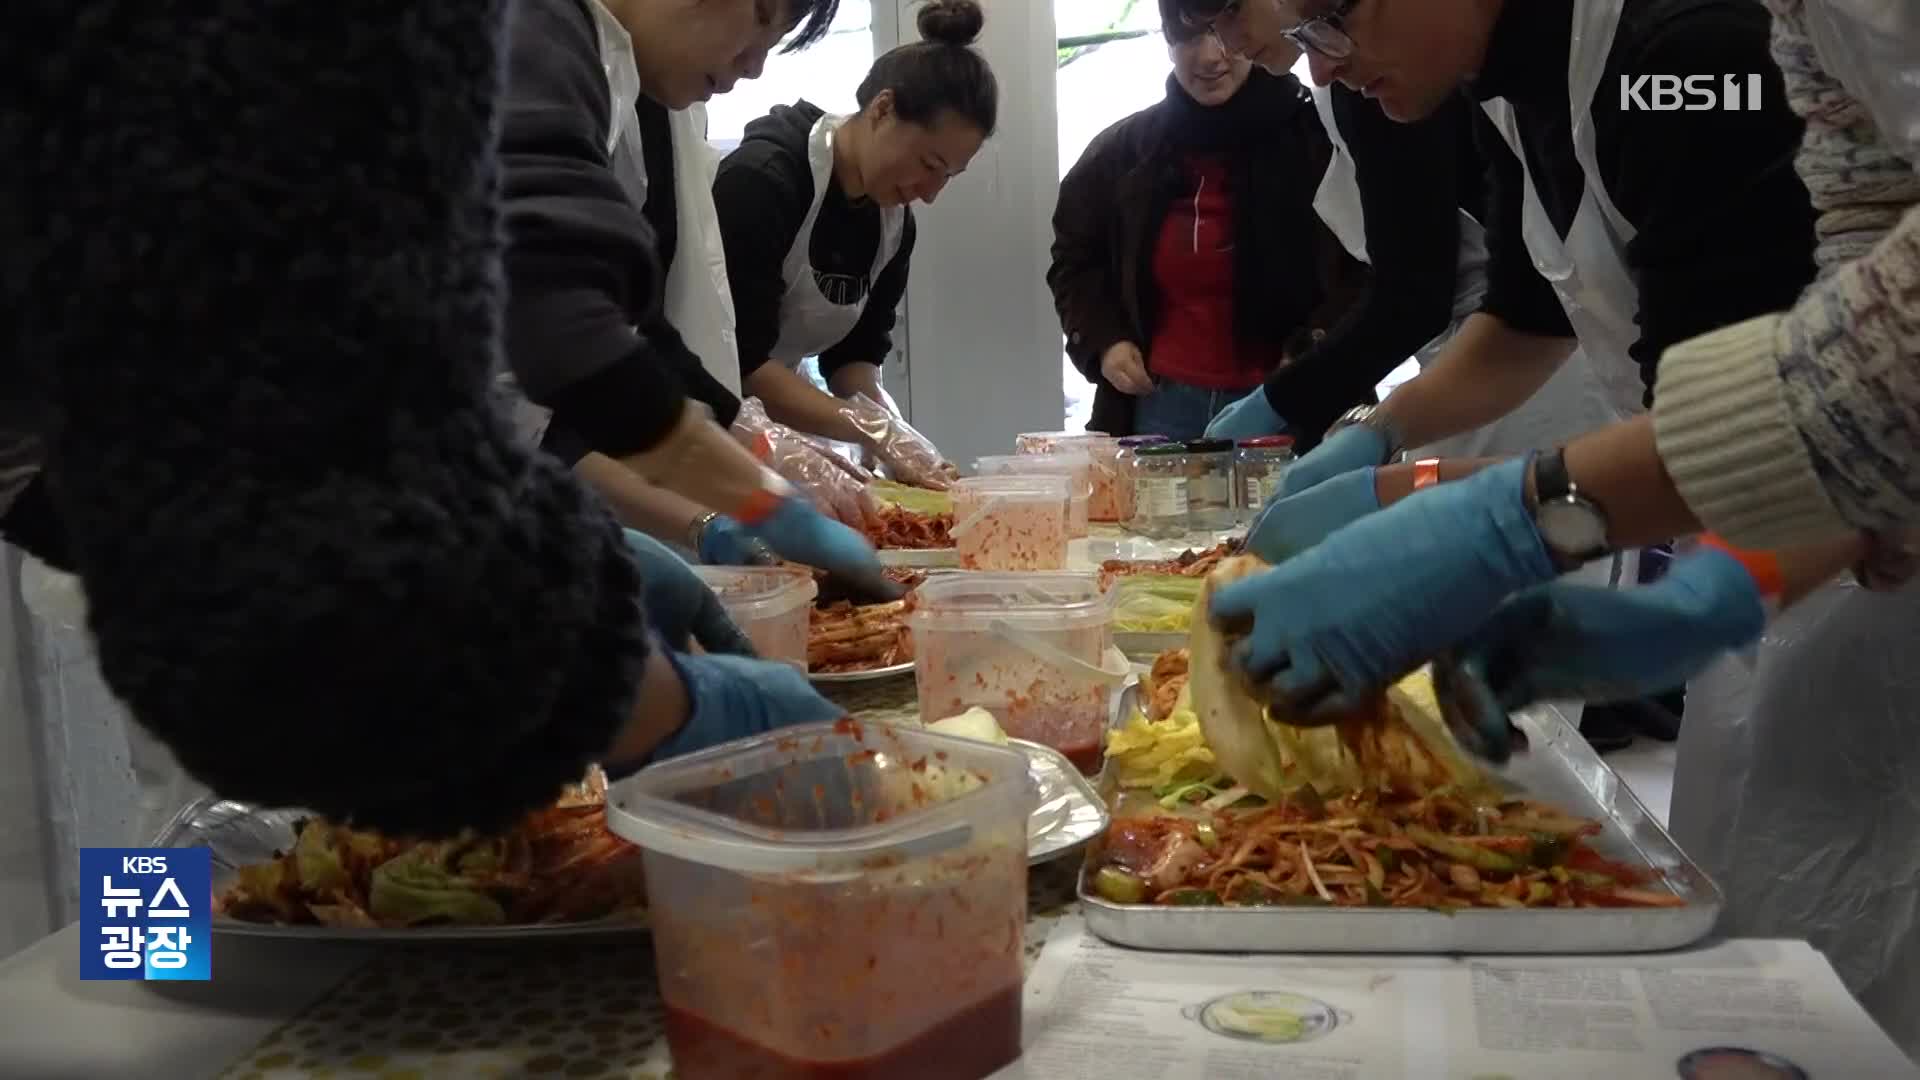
758	507
1764	566
1426	473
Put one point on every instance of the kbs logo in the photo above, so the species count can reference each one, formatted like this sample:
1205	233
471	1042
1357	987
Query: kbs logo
145	913
1694	93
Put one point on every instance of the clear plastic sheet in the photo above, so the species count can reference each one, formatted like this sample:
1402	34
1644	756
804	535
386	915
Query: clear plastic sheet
910	456
832	482
701	461
1796	791
1873	48
75	770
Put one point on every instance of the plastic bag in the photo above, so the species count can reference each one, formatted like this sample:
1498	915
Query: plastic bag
907	454
1873	48
702	461
1795	791
829	480
53	597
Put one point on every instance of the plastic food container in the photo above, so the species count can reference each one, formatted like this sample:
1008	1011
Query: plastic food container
770	605
1160	491
1075	465
838	900
1035	650
1210	494
1011	522
1257	465
1104	451
1045	442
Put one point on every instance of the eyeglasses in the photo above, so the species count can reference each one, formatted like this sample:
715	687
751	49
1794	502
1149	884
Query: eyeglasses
1324	34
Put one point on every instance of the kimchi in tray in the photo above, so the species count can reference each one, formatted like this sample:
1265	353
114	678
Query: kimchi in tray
1550	854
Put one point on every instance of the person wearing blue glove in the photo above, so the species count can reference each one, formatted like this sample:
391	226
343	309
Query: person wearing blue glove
1293	524
681	607
721	541
1251	417
1390	590
1566	642
1353	444
734	697
800	532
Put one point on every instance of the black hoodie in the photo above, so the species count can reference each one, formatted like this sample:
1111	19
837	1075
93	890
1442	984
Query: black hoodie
585	266
763	192
318	564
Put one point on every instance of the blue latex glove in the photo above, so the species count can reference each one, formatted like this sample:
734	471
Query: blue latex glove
726	542
1564	642
734	698
1388	592
1355	446
680	606
1249	418
1291	525
803	534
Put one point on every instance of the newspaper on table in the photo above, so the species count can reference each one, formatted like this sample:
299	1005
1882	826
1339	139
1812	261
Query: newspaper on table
1736	1010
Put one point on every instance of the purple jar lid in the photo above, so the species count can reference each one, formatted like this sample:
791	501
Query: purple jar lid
1132	441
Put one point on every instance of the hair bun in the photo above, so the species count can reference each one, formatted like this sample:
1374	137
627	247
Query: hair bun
951	22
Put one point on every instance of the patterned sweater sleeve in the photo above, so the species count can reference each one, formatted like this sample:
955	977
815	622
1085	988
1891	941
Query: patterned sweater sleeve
264	272
1794	427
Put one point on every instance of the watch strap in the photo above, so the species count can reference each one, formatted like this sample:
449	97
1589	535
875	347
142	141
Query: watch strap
1550	477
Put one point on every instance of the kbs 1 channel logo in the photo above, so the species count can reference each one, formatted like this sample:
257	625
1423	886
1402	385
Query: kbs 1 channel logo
146	913
1691	93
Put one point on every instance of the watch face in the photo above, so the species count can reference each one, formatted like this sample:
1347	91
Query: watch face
1572	526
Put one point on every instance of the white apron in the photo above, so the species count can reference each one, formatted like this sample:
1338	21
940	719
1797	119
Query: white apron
1587	267
1795	784
698	301
1599	384
812	319
1570	403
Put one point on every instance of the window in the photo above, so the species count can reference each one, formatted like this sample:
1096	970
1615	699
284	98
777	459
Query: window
827	74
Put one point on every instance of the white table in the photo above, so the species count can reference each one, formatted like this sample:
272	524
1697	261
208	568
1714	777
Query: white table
55	1027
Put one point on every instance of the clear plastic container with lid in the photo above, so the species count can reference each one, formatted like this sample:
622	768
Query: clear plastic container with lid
842	900
1160	491
1210	495
1075	465
1257	465
1035	650
770	604
1102	450
1011	522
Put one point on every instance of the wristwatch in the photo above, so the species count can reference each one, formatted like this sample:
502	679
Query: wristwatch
1371	416
1574	526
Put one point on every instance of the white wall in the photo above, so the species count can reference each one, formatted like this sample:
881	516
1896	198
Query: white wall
983	343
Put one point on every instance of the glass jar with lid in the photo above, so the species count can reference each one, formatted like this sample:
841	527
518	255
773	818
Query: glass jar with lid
1210	493
1125	448
1257	466
1160	486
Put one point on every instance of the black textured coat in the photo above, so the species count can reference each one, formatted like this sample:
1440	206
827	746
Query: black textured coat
252	272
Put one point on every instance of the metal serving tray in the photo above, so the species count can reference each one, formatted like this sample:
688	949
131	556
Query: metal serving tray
1560	768
1145	646
1070	813
238	833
